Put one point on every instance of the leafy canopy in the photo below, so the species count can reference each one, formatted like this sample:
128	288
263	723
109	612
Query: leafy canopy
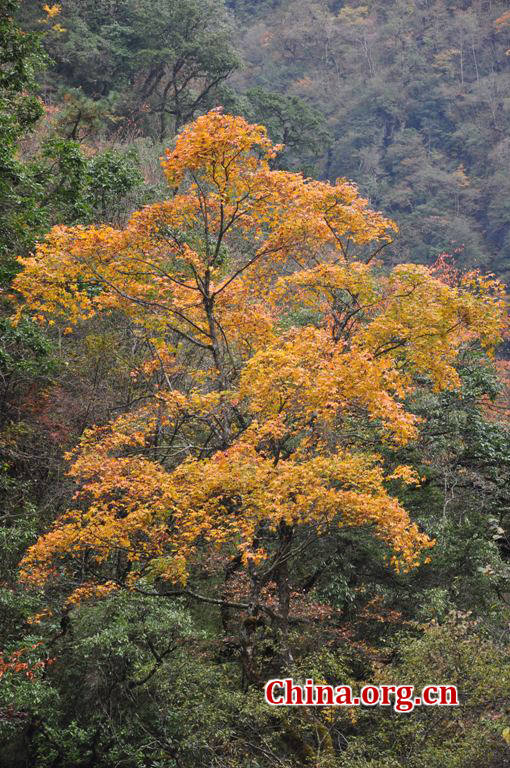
280	349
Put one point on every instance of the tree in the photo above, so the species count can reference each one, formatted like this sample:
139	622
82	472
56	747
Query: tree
78	188
293	123
464	653
155	64
20	55
281	350
415	96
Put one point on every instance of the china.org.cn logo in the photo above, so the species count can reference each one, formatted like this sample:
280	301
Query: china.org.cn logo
286	693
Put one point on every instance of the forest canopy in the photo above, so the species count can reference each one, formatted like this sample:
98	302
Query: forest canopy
254	380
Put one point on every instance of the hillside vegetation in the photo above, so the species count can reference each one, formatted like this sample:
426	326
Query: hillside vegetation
254	385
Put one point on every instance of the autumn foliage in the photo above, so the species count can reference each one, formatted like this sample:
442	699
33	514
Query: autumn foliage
282	351
19	663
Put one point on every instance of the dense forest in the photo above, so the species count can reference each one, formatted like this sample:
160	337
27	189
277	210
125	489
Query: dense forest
254	380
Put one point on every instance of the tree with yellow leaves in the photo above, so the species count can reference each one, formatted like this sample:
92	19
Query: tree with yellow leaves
281	349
